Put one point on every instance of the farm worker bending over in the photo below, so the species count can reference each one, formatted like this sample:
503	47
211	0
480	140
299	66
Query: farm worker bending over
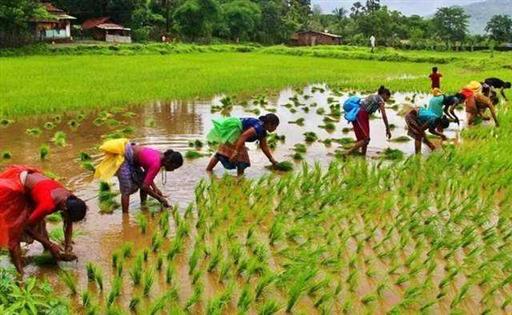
358	111
420	119
136	167
496	83
442	104
232	134
26	197
477	103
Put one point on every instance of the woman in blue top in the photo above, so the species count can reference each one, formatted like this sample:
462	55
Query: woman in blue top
420	119
443	104
233	133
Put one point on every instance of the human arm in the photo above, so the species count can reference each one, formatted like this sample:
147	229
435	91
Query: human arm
436	133
266	150
155	188
241	142
493	113
385	119
503	94
42	238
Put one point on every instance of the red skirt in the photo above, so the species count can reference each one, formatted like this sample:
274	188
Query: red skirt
362	125
15	207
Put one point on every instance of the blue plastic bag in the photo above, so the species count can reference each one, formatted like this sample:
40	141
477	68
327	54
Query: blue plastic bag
351	107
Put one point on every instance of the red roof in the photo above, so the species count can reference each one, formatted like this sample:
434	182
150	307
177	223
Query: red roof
94	22
51	8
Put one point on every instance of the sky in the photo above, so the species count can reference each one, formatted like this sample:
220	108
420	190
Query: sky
408	7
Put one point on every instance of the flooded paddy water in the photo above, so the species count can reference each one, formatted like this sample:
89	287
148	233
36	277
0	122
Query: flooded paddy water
174	125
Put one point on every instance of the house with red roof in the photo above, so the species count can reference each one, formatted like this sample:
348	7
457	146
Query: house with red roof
55	26
104	29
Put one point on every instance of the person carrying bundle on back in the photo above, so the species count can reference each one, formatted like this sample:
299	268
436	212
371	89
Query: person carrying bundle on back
476	103
420	119
358	112
136	167
442	104
232	133
26	198
496	83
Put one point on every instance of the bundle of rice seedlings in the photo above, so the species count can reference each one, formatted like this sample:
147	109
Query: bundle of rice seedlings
59	139
6	155
285	166
49	125
392	154
191	154
299	122
69	280
44	150
106	198
310	137
34	131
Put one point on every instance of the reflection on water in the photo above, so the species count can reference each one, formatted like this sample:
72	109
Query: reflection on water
173	125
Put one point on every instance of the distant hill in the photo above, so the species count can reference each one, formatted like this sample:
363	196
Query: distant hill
482	12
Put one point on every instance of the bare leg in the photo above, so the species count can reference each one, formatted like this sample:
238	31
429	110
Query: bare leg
16	258
143	196
363	144
212	164
364	148
471	118
417	146
240	171
125	203
429	144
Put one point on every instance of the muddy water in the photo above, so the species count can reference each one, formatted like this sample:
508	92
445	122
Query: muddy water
173	125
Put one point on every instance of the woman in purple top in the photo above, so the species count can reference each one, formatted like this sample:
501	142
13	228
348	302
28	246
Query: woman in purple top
139	170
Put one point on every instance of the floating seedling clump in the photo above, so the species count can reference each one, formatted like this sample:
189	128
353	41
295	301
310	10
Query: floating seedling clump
106	198
44	150
59	139
392	154
6	155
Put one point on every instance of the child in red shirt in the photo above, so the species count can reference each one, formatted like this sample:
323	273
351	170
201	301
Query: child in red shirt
435	77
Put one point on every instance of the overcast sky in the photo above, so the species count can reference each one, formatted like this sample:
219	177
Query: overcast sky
408	7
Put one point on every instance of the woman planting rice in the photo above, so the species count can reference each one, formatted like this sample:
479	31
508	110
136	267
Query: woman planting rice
420	119
362	109
26	198
441	104
233	133
476	103
136	167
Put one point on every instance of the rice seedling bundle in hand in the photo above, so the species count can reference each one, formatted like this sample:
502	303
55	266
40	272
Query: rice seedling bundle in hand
285	166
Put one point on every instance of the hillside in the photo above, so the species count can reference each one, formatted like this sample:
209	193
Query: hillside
481	13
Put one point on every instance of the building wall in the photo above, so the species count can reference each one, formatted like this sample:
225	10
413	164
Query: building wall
118	38
312	39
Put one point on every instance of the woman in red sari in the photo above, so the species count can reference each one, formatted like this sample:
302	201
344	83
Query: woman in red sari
26	197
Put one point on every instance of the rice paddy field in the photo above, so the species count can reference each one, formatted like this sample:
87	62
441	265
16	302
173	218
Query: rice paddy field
391	234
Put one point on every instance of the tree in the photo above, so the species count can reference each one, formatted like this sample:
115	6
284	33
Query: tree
14	18
194	18
450	24
500	28
242	17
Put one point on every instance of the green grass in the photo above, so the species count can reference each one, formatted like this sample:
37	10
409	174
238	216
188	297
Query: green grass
101	81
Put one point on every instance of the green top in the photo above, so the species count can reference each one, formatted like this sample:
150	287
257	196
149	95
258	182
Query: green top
436	105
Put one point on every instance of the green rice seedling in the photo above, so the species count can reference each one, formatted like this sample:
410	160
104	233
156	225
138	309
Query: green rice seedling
113	123
98	277
170	273
136	271
6	155
369	298
300	148
98	121
245	299
392	154
298	156
69	280
305	109
148	282
59	139
55	217
115	290
298	287
401	139
57	119
299	122
90	271
195	297
44	150
159	263
85	157
328	126
34	131
142	222
106	198
44	259
156	242
134	304
265	281
285	166
225	268
73	124
293	110
196	276
269	308
190	154
346	130
4	122
88	166
126	249
115	259
194	258
145	254
214	260
310	137
86	298
320	111
49	125
175	248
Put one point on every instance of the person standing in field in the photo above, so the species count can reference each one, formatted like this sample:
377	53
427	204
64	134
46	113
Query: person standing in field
435	78
420	119
136	167
360	111
372	43
496	83
476	103
26	198
232	134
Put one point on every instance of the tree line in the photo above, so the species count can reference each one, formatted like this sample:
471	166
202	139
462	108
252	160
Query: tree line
263	21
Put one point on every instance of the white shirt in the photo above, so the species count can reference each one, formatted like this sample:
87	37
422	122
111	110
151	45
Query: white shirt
372	40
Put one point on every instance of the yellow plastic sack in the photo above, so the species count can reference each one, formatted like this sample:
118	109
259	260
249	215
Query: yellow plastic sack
114	157
475	86
437	92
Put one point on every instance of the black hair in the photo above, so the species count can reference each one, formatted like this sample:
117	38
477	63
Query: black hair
507	85
443	122
384	91
270	119
173	159
75	208
434	69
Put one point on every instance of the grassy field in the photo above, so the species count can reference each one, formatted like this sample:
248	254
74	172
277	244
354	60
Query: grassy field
53	83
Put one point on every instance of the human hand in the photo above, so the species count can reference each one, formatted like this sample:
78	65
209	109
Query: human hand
444	138
165	203
274	162
68	256
55	250
388	133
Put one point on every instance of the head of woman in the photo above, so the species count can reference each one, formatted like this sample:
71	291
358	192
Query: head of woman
172	160
270	122
384	93
460	97
74	208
